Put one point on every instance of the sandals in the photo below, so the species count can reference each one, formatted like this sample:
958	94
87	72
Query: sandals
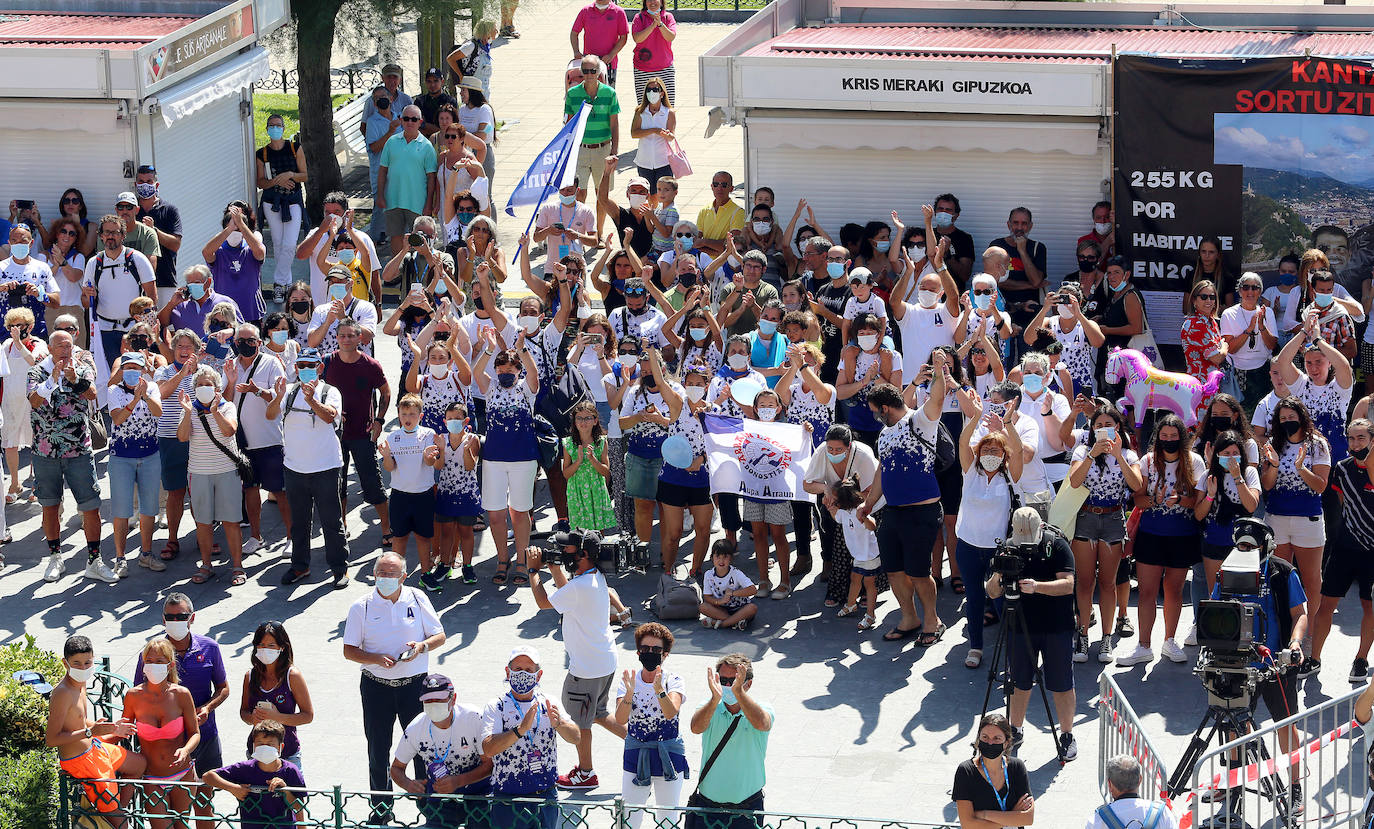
709	623
202	575
624	617
521	577
11	497
897	634
928	638
240	577
386	541
170	551
868	621
974	658
502	569
848	610
831	603
957	585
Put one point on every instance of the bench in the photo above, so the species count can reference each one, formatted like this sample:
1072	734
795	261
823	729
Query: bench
348	137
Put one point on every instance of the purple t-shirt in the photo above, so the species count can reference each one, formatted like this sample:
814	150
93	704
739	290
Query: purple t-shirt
238	273
191	314
263	810
284	701
199	669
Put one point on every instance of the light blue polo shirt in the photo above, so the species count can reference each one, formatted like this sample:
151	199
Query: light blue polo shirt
407	164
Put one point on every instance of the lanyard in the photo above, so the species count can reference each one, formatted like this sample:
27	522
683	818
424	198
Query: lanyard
433	741
1001	798
538	714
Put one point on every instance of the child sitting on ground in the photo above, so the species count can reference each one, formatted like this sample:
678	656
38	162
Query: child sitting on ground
727	594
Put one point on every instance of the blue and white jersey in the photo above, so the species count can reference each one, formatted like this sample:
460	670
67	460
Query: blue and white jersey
647	723
1105	482
460	490
728	407
645	439
689	426
435	397
906	456
803	407
1291	495
694	355
1176	520
510	423
136	437
1327	404
458	748
531	764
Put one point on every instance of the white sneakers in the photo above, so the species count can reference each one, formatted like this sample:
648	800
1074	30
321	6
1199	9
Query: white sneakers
55	568
151	562
1173	652
100	571
1136	655
121	568
1191	639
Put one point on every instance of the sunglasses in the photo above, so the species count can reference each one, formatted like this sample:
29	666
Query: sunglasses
651	649
409	118
1210	297
726	681
628	353
575	271
71	200
589	72
66	231
69	330
632	293
177	617
720	184
977	352
147	168
1249	287
984	292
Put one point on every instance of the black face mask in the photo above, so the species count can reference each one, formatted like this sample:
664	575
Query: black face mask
1087	265
1222	424
245	348
650	382
1359	454
300	306
477	303
991	751
1170	445
218	326
383	103
686	280
650	661
138	341
1291	427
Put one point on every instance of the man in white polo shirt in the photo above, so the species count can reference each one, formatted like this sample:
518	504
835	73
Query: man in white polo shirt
390	632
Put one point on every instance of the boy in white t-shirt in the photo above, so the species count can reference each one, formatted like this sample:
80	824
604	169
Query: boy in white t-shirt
409	454
727	594
860	536
864	301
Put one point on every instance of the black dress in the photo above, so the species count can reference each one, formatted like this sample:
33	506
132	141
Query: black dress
971	784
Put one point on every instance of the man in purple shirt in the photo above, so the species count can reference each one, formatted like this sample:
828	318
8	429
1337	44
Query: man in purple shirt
193	302
200	668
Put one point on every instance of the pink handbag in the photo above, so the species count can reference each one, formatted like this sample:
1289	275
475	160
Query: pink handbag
677	160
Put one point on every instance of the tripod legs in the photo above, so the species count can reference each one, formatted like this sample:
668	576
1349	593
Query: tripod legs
1232	722
1001	661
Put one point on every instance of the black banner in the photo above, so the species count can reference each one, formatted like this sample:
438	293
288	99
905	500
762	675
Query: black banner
1270	156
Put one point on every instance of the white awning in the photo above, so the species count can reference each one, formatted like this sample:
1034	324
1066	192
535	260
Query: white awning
220	80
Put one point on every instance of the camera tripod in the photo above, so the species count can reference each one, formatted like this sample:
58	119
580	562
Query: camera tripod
1232	718
1012	620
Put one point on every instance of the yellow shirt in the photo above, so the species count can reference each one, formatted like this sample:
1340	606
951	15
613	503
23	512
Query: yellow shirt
714	224
362	280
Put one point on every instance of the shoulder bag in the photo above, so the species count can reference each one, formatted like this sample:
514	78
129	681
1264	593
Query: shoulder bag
241	464
696	799
677	160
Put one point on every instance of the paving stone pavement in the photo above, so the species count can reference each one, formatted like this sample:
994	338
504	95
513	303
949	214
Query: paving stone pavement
864	727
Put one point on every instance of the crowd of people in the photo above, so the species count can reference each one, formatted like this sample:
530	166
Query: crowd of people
954	402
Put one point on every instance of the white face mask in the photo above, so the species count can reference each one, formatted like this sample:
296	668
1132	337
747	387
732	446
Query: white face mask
695	393
155	673
267	755
739	362
868	341
235	238
1064	310
767	413
529	324
763	228
1102	228
176	630
82	675
990	463
928	299
436	711
267	655
916	252
205	394
638	200
653	96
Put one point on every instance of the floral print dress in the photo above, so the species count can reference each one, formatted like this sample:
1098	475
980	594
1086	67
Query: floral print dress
589	502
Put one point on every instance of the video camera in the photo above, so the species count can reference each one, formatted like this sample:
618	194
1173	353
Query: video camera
1231	641
1010	559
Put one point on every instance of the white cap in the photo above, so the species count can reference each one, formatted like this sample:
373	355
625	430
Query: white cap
524	650
1026	527
861	274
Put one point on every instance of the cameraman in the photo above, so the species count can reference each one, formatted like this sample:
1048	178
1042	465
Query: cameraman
1280	587
1047	608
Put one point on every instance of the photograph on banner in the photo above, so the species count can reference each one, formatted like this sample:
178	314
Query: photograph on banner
755	459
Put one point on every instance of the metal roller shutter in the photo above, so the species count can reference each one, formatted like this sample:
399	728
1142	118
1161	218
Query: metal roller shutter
202	166
86	144
861	185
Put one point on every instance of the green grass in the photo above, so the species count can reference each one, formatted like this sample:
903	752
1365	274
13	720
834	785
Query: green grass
266	104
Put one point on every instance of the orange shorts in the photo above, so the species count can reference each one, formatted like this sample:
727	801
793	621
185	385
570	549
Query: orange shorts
100	762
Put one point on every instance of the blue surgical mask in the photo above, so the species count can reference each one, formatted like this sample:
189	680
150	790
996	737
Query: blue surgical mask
346	256
1122	286
882	247
982	302
1229	462
338	291
523	682
276	133
943	219
1288	279
767	327
196	290
1323	300
1033	383
727	695
836	457
567	201
409	430
700	334
441	288
215	348
131	376
835	269
20	250
308	375
386	585
280	336
454	427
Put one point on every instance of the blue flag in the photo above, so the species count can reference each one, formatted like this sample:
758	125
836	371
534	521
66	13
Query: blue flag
554	167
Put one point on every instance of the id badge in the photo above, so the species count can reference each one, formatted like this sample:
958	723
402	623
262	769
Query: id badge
436	770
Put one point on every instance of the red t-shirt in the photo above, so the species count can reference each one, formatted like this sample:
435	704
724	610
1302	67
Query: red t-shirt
600	30
357	382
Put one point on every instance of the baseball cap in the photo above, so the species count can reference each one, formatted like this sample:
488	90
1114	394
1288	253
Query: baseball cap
523	650
391	69
1026	527
308	355
126	197
638	181
339	272
860	275
577	538
433	72
435	688
133	358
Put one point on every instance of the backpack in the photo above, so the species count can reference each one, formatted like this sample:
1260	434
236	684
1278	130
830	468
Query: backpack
1109	817
102	265
557	401
321	390
946	453
676	598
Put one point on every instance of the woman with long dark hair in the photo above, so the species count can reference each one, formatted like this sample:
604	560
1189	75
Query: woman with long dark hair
992	788
274	688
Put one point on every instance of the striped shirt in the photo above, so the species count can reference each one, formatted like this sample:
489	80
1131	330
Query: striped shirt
171	405
1357	500
206	458
605	105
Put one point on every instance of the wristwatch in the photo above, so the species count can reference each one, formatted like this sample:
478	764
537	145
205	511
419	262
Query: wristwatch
662	694
88	732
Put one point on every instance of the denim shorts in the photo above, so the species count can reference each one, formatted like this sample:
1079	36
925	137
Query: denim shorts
641	477
173	455
77	472
128	475
1107	527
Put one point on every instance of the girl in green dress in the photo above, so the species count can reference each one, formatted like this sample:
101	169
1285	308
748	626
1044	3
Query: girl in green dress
587	469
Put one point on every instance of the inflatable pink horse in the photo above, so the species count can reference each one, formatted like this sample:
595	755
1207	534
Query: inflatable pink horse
1149	388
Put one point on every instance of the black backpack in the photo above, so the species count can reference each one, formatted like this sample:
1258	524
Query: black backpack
946	452
566	390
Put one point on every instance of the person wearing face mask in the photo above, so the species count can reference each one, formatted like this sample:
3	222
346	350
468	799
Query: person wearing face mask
930	321
1047	409
26	281
654	29
872	253
734	727
390	632
444	744
638	316
654	120
960	256
76	735
262	784
635	223
647	413
165	719
135	407
518	736
865	364
1090	278
200	669
842	457
993	788
349	253
1282	297
648	702
458	505
342	305
300	307
163	219
250	382
280	170
22	351
768	346
274	690
443	381
209	423
1103	235
336	209
1349	563
747	293
192	303
235	256
565	224
1336	312
175	380
1065	318
410	452
693	332
763	234
279	340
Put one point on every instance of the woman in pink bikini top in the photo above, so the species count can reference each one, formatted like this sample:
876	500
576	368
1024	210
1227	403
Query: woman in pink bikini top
164	716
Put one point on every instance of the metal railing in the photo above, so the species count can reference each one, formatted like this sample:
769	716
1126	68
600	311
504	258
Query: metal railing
106	692
1120	732
353	79
1321	749
339	809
